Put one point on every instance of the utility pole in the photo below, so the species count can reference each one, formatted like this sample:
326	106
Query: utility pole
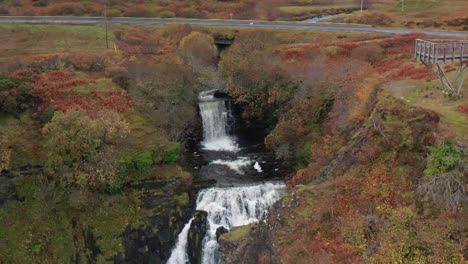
107	25
362	4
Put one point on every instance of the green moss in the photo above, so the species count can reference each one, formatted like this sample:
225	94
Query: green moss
182	199
171	172
237	233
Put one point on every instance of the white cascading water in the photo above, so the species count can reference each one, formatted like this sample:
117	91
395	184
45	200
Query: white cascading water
227	207
232	207
179	252
215	118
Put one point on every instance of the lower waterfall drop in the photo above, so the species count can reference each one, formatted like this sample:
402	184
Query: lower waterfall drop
227	207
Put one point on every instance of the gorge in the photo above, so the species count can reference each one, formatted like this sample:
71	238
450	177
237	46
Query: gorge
240	196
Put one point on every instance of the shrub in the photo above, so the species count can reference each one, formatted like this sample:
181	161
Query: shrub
40	3
72	137
142	11
370	53
305	156
171	155
447	190
442	159
8	105
114	12
167	14
137	167
6	83
445	181
47	115
4	11
372	18
198	49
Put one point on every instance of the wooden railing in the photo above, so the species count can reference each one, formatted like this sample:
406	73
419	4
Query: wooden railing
441	51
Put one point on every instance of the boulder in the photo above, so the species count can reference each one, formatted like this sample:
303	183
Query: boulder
221	230
197	232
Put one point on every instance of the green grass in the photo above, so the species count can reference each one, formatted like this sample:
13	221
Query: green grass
103	85
424	94
417	5
25	39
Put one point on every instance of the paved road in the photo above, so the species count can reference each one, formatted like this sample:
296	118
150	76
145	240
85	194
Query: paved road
227	23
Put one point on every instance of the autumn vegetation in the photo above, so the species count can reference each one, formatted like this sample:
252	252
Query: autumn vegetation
450	14
378	181
94	141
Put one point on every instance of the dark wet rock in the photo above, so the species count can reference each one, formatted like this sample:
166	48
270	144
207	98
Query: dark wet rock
248	245
165	215
221	230
196	234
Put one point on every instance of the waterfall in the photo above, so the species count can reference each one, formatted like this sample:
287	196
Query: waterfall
179	253
217	121
232	207
227	207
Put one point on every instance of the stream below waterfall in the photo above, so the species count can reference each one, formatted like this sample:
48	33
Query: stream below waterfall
245	178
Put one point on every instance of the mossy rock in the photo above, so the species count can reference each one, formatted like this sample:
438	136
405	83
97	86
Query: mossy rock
237	233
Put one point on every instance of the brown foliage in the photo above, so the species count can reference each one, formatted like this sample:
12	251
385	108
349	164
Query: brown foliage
198	49
135	42
370	53
372	18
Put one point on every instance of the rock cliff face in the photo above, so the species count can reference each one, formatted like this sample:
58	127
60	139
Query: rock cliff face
247	245
166	207
196	234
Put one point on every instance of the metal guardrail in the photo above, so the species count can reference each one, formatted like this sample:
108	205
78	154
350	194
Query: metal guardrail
441	51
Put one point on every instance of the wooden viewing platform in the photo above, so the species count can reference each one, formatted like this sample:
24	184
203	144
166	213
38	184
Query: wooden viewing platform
442	50
435	52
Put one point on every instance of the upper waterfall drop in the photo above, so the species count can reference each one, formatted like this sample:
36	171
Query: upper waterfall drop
217	122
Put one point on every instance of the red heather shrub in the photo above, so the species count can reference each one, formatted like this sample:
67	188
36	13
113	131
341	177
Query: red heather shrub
24	73
412	72
116	101
463	108
51	85
56	89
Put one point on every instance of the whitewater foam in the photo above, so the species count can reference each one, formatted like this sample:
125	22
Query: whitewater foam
221	144
235	165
